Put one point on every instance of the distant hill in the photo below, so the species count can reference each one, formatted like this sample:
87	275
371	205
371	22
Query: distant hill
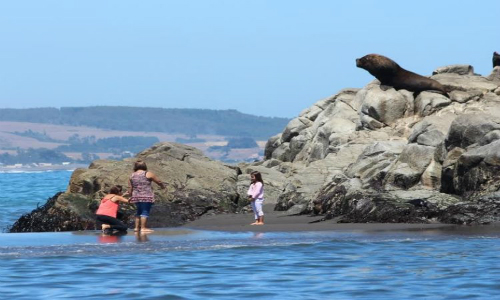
184	121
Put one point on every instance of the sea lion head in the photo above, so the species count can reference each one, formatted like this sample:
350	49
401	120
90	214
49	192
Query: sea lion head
496	59
378	65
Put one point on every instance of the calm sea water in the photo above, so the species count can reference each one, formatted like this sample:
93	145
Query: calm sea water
21	192
188	264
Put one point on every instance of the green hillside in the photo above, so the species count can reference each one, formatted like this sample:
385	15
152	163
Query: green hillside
183	121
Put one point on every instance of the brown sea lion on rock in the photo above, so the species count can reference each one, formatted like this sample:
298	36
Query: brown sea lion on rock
388	72
496	59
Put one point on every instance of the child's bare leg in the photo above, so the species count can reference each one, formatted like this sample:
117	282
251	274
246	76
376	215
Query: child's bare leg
144	227
137	224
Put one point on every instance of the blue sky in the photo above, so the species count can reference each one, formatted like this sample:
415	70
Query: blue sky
262	57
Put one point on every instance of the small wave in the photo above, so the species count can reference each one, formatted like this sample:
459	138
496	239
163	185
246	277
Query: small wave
119	248
19	172
34	171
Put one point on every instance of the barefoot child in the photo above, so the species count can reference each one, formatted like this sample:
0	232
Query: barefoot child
256	196
108	209
142	194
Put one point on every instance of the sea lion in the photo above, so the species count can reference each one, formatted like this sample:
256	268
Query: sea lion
388	72
496	59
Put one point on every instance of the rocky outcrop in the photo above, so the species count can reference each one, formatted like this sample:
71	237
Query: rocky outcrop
362	155
408	157
195	185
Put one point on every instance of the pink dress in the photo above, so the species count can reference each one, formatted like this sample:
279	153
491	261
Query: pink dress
141	188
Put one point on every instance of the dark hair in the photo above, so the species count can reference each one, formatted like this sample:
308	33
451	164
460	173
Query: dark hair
140	165
116	189
258	176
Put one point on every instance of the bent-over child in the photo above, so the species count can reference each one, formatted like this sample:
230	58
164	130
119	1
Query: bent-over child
108	209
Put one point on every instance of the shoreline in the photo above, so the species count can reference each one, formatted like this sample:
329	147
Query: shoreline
277	221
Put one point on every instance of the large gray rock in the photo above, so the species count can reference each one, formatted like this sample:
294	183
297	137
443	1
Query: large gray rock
362	155
457	69
477	171
373	164
428	103
495	75
283	152
424	133
195	185
465	96
400	145
384	106
469	129
465	82
294	127
485	210
271	145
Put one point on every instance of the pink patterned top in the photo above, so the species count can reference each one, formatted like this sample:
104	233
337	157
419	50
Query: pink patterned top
141	188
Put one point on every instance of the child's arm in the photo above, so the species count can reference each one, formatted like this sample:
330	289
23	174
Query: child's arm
120	199
130	188
257	190
249	193
156	180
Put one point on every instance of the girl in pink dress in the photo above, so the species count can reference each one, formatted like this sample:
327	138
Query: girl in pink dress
256	196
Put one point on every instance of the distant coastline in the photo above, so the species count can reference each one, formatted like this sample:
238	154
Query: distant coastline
23	168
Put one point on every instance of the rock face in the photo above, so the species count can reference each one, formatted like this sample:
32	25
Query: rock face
195	185
362	155
374	155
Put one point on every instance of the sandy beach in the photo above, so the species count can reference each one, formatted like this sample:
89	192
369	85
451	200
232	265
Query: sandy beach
281	221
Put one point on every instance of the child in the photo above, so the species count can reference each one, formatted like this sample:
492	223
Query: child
256	196
142	194
108	209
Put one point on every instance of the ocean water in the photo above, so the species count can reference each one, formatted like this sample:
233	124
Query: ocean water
180	263
21	192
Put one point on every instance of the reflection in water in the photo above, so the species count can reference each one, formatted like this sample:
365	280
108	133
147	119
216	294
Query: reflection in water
109	238
141	237
258	235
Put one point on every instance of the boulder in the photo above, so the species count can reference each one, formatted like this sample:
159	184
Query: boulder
456	69
383	106
362	155
468	129
195	185
477	171
428	103
495	74
465	82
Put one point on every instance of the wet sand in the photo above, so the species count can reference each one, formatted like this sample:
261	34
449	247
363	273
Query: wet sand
282	221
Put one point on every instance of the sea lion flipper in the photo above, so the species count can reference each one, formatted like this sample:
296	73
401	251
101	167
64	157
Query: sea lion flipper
385	87
388	72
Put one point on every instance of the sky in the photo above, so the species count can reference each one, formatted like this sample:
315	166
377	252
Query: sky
263	57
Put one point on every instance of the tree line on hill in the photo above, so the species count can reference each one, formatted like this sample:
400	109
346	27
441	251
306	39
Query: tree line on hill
181	121
88	146
115	145
121	147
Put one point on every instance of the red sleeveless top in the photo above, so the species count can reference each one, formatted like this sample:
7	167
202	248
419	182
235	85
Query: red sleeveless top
107	208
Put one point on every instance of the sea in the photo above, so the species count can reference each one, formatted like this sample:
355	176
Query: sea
183	263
